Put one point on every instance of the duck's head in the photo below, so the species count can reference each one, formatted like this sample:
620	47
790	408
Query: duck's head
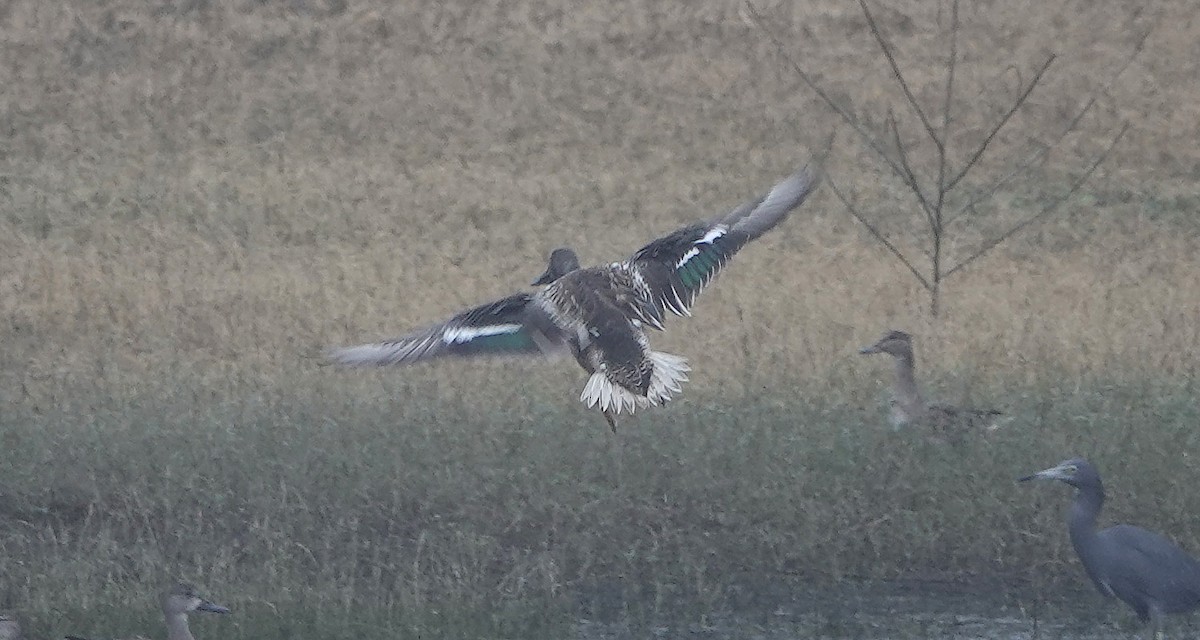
562	262
896	343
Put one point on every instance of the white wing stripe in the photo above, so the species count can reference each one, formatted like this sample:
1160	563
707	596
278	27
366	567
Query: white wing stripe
691	253
713	234
461	335
709	238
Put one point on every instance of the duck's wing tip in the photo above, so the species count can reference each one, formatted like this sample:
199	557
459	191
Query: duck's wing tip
511	326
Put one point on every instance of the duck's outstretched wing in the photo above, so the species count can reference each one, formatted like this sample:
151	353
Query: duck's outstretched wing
516	325
674	269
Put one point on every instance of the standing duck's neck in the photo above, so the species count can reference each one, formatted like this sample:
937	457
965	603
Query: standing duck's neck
905	386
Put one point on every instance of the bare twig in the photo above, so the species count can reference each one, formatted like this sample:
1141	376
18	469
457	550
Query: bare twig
1036	156
909	177
908	94
1033	82
1050	207
950	64
933	197
875	232
1019	169
821	93
938	227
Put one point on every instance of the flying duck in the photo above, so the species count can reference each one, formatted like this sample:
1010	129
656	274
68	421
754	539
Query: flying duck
600	314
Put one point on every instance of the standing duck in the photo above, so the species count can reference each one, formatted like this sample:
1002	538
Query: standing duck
909	407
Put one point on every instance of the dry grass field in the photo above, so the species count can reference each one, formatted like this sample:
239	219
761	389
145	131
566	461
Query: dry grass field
198	196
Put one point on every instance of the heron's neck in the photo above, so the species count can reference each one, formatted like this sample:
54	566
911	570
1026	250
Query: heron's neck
177	627
1081	519
905	385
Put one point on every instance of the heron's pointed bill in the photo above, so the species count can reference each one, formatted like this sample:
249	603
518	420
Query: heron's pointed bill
1061	472
210	607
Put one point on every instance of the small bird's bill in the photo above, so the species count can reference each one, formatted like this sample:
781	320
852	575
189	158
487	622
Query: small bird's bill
1053	473
205	605
545	278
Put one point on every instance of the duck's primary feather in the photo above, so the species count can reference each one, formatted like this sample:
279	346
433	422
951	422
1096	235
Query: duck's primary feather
511	326
599	314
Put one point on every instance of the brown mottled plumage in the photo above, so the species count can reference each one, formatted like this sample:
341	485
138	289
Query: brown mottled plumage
909	407
599	314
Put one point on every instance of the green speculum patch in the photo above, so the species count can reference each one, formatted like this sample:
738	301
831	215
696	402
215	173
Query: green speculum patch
693	272
506	341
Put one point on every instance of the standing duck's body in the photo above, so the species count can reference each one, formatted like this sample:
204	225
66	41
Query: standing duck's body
599	314
908	406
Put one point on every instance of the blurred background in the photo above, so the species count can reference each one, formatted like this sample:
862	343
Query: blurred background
197	197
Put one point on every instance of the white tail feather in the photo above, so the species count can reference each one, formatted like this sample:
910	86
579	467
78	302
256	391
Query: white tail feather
601	393
591	390
667	374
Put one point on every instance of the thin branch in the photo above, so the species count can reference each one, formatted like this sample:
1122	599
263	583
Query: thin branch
875	232
1034	158
909	177
1049	208
908	94
972	210
812	84
1019	169
1033	82
951	64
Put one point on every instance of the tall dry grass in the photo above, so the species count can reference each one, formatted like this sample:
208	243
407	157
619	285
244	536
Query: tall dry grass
202	196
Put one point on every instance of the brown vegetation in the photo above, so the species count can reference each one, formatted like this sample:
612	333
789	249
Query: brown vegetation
200	196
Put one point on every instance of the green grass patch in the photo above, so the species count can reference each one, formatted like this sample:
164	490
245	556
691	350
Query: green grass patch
305	509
